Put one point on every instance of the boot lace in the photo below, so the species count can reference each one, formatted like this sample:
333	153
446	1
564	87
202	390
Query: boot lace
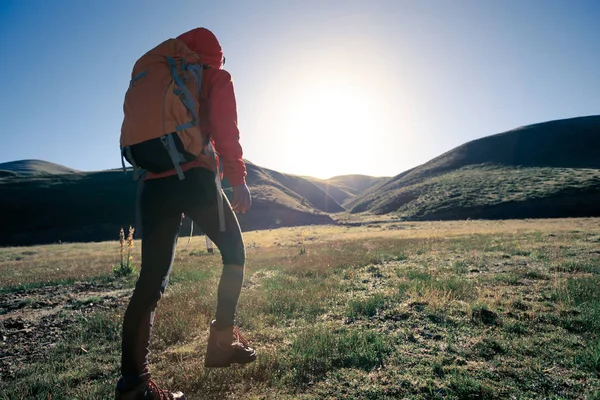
239	338
157	391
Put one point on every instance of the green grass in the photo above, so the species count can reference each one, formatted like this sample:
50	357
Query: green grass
586	266
318	350
444	312
35	285
368	307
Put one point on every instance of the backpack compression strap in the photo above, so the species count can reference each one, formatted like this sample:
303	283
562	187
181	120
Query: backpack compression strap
127	150
169	144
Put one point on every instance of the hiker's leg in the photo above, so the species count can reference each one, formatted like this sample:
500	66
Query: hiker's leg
160	228
231	246
222	349
204	211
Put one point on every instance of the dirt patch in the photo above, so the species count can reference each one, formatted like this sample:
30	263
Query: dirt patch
33	321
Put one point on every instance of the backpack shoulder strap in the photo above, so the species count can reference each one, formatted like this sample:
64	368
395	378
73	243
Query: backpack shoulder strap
184	94
196	70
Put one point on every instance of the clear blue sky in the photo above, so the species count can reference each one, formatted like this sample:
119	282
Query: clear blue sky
323	87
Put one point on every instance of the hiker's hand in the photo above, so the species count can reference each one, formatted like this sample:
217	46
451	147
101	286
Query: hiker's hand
241	198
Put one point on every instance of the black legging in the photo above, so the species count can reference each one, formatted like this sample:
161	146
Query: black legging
162	202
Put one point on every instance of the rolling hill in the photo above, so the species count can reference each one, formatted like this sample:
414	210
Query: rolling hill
551	169
41	202
301	189
32	168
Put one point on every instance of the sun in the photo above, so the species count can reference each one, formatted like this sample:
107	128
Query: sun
331	123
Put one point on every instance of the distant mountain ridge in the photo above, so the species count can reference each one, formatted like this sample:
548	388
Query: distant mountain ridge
345	187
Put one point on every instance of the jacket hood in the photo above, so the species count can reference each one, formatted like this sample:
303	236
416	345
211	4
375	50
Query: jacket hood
204	43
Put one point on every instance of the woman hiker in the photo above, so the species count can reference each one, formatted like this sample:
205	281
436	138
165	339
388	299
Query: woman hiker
164	197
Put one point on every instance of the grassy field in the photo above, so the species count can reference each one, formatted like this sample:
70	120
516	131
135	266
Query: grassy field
452	310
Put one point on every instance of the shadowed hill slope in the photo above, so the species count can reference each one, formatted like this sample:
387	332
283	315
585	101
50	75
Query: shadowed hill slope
302	189
93	206
549	169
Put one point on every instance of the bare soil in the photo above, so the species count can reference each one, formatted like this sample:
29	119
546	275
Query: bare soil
33	321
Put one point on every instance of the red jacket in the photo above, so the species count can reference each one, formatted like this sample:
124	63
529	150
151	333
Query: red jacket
218	109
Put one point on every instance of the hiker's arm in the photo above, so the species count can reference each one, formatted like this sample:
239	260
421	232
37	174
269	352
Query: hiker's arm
224	128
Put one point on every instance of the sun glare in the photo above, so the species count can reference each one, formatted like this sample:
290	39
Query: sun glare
333	122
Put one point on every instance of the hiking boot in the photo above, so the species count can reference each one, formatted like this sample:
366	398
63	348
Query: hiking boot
227	346
148	391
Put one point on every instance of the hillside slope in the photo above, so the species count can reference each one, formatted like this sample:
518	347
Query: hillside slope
344	188
356	184
32	168
303	190
550	169
93	206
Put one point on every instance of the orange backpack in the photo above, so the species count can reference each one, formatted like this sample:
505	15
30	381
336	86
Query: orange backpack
161	129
